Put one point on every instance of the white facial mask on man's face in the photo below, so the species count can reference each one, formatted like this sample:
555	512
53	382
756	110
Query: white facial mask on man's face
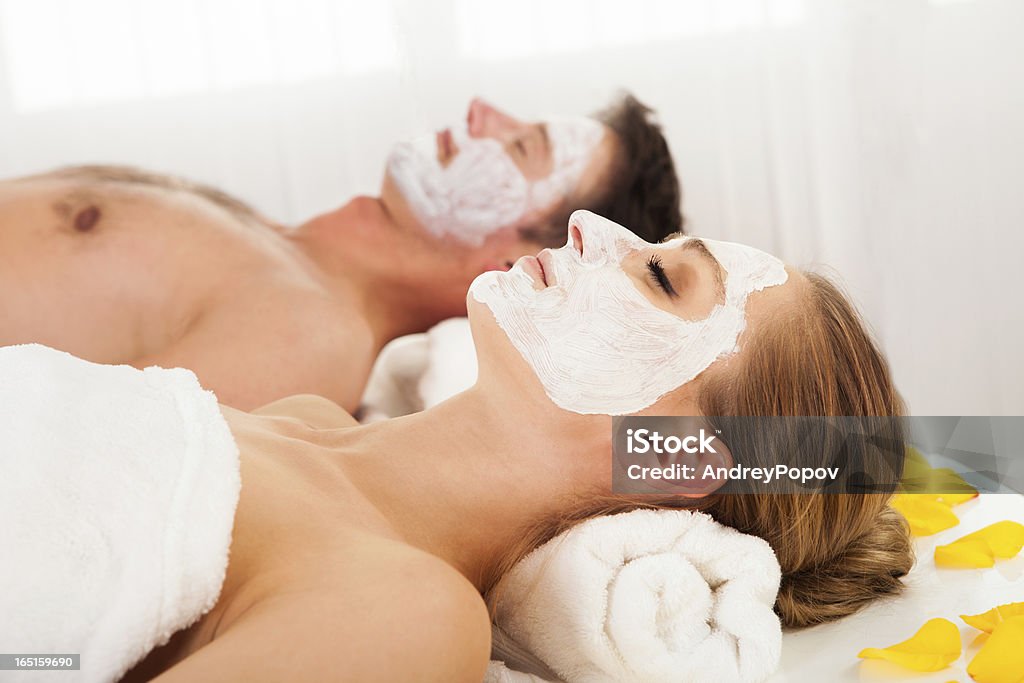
482	190
596	344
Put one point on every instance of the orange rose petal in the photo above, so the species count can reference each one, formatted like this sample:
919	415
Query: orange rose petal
981	548
934	647
1001	658
924	513
987	621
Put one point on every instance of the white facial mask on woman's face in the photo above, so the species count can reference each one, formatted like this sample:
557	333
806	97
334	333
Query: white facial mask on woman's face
482	190
595	342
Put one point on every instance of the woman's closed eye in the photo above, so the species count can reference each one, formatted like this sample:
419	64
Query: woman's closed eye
658	276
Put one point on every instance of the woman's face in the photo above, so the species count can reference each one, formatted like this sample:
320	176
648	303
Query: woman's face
609	323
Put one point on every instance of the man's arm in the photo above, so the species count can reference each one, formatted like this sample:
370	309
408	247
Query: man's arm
248	368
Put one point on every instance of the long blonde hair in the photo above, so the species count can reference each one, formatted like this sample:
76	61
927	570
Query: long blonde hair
837	552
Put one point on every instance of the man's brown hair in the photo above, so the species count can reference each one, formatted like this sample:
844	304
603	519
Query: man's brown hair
642	191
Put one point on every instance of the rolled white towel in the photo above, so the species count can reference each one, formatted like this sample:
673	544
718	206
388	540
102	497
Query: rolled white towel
649	595
117	501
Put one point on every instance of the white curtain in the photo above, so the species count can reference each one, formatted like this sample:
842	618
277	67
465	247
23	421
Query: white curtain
884	138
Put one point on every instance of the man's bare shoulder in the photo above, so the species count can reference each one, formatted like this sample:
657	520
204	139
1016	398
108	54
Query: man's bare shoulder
114	263
253	352
133	175
123	266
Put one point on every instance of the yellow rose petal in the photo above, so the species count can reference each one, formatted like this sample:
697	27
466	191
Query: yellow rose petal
952	499
1006	537
920	477
965	554
980	549
1001	658
987	621
924	513
935	646
955	486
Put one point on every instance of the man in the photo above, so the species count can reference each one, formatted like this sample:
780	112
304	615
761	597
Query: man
122	266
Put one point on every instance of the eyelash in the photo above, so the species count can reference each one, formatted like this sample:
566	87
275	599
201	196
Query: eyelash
658	275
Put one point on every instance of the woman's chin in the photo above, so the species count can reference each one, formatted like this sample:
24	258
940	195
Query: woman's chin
481	320
493	347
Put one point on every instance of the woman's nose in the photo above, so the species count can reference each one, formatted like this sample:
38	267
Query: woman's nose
596	238
485	121
577	238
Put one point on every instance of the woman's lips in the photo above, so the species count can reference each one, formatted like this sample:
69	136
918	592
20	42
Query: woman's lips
547	265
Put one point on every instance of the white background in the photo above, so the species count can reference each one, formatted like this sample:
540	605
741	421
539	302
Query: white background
884	138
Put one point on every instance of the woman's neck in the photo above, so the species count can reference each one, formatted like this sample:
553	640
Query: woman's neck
464	479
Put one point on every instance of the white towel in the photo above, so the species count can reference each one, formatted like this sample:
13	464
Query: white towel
117	501
418	371
497	672
451	362
391	390
649	595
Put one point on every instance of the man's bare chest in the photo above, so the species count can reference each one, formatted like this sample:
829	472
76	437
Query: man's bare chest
115	271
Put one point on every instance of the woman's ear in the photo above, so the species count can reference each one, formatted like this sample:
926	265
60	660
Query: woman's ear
711	464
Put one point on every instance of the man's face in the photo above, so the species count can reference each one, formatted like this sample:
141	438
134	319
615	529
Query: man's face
467	183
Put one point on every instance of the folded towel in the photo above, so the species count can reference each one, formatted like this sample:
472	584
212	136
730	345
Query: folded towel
418	371
392	388
649	595
117	498
451	362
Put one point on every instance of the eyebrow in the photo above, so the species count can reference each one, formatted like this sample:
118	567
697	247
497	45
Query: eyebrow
697	245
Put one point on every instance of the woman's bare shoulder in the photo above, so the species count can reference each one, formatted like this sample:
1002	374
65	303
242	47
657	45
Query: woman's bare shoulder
381	610
316	411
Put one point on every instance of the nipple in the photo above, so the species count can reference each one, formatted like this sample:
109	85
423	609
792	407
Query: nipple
86	219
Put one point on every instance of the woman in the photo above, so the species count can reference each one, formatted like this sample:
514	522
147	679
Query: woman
362	553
